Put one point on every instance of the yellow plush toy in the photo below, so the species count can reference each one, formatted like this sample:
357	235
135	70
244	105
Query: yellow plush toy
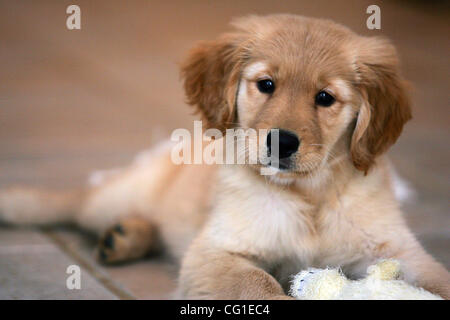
381	283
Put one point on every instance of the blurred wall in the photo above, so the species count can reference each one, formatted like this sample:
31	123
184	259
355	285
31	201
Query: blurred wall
72	101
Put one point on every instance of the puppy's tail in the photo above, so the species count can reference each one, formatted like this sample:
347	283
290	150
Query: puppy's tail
28	206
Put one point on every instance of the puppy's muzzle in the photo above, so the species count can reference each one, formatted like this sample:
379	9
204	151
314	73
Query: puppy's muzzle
288	143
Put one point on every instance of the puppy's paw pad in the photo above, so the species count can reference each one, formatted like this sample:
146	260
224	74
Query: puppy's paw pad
119	229
113	246
108	241
130	239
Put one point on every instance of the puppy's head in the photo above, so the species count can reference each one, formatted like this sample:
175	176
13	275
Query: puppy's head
330	92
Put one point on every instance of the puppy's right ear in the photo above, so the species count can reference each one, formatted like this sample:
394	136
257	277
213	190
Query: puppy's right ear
211	76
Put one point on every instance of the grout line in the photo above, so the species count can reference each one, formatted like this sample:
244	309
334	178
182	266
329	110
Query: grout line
86	264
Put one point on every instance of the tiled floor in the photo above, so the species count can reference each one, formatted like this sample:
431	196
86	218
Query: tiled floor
73	101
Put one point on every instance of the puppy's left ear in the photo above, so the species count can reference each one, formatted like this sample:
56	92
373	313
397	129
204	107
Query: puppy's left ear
211	76
385	104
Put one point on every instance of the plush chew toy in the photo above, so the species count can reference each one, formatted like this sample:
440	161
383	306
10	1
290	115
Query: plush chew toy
381	283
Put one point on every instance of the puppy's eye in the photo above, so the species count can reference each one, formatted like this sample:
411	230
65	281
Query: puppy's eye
266	86
324	99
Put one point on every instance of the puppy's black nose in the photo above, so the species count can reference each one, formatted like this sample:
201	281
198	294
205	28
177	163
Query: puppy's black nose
288	143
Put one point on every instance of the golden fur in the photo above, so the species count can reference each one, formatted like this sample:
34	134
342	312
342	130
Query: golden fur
250	232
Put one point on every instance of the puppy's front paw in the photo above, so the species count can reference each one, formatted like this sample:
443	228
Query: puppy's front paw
114	246
128	240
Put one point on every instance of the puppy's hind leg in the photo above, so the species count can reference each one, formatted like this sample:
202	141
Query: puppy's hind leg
132	238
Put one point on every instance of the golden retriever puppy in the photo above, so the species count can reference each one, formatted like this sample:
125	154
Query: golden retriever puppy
338	102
